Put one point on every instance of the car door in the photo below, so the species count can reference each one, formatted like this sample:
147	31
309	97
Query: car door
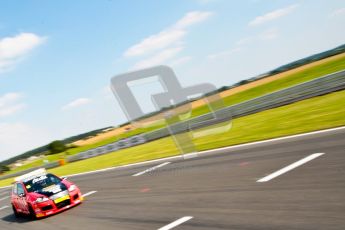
21	194
15	198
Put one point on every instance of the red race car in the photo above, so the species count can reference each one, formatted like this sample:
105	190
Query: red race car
39	194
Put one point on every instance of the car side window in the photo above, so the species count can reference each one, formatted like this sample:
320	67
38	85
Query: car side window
20	189
14	190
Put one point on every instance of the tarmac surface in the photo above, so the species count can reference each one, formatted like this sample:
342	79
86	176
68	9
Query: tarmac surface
302	187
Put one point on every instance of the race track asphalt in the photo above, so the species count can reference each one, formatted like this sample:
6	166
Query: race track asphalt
218	190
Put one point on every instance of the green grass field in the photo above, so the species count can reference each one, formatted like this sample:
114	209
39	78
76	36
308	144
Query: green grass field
312	114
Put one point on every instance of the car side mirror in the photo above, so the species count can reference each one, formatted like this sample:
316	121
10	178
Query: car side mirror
64	178
21	195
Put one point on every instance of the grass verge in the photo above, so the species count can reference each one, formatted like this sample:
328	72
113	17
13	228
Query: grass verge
309	115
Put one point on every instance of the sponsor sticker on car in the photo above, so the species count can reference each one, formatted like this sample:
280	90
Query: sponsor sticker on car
63	198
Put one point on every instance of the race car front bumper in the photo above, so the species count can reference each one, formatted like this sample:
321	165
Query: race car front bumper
51	207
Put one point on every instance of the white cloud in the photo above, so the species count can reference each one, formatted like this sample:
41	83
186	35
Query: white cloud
14	48
244	41
223	54
159	58
338	12
169	36
268	35
273	15
76	103
180	61
8	98
192	18
9	104
155	42
10	110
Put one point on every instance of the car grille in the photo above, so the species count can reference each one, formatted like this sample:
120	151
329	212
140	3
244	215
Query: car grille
46	208
63	203
58	195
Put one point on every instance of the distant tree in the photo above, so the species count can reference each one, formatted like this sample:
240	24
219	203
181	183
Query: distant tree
56	147
243	82
4	168
223	88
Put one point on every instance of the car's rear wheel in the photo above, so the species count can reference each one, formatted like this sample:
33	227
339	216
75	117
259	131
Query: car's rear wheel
15	212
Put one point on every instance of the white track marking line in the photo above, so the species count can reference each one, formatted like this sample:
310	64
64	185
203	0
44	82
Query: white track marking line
89	193
3	193
176	223
290	167
4	187
4	198
4	207
151	169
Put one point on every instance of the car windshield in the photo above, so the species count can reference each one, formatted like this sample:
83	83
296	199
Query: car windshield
41	182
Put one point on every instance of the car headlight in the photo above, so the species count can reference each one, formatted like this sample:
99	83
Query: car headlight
41	199
72	188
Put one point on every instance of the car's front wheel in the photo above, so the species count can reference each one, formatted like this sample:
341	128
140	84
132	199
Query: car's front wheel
32	213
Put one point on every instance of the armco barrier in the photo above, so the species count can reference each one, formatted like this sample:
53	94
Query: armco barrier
121	144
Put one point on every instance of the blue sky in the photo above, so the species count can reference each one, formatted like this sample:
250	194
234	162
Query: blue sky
57	57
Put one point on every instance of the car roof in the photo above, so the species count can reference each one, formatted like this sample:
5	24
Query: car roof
31	175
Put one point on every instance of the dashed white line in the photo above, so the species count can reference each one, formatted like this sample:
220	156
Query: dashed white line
89	193
176	223
151	169
290	167
4	207
4	198
3	193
